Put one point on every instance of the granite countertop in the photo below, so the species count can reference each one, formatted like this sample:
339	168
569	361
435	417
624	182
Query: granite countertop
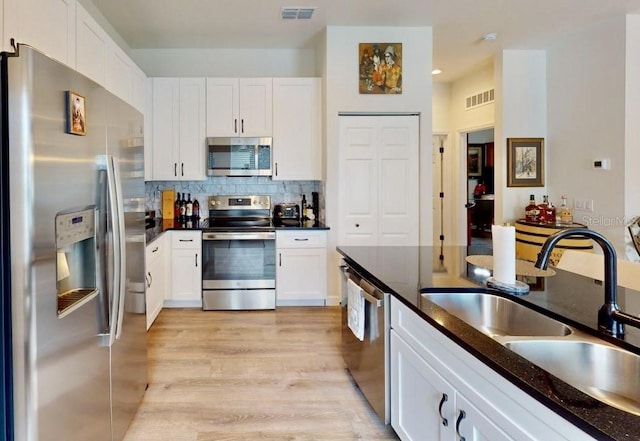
405	271
159	226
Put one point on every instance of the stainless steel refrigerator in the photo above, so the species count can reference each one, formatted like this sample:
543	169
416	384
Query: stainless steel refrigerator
73	360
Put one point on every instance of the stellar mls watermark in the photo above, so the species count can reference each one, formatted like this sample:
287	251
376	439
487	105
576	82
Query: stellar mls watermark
604	221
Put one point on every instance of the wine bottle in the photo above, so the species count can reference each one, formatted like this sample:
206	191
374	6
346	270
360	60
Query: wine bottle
189	210
196	209
183	209
176	207
304	207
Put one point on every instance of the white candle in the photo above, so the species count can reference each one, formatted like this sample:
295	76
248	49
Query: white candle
504	253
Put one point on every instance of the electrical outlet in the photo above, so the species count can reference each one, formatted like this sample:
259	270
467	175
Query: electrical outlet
583	204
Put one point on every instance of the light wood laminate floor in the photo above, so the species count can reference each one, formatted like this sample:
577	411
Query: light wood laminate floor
258	375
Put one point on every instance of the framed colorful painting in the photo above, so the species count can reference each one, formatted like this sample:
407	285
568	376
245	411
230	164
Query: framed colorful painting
380	68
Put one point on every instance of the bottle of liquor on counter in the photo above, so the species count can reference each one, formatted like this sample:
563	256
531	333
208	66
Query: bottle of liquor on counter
176	207
304	207
542	208
196	210
189	210
183	209
531	211
548	211
566	216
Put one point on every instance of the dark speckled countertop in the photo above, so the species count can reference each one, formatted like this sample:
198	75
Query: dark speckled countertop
574	299
159	226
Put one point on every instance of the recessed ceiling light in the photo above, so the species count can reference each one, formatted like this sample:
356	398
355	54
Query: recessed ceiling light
490	36
296	13
436	72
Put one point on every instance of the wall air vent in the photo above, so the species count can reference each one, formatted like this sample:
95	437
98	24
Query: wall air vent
297	13
480	99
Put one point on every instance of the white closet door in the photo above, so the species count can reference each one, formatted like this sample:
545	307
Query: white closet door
398	187
358	179
379	167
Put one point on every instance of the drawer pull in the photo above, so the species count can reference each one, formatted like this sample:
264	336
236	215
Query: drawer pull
185	240
301	240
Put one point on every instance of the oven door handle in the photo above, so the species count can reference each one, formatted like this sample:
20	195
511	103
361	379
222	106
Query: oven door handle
239	236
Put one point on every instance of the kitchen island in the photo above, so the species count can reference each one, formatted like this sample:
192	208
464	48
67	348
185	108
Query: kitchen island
404	271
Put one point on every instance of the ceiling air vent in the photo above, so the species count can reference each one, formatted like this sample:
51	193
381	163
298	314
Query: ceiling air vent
297	13
480	99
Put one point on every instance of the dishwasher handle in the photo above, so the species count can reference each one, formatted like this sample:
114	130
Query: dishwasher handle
370	293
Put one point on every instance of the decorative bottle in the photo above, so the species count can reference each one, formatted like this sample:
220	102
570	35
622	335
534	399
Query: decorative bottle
566	216
531	211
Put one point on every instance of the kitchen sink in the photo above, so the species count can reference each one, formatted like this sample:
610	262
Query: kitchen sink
497	316
604	372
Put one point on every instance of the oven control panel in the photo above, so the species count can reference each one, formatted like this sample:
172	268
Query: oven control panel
239	202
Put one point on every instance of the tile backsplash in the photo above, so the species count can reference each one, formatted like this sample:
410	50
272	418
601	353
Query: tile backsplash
280	191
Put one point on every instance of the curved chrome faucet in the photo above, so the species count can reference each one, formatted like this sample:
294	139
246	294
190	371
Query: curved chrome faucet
610	318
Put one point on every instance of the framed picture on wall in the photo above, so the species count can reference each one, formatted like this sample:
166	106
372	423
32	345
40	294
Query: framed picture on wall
474	161
525	162
380	68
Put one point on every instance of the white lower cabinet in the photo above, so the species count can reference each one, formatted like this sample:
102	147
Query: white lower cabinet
441	392
301	268
155	277
423	403
186	269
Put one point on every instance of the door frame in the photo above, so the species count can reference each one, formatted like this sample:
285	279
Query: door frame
460	211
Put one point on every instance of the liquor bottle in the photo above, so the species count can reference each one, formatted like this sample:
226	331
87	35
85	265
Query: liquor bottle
176	207
543	208
189	210
547	211
183	209
531	211
566	216
304	207
196	209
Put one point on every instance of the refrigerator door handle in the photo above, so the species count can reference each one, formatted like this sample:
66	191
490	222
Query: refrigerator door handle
120	238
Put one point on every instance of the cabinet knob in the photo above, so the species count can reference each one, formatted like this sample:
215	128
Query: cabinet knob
357	225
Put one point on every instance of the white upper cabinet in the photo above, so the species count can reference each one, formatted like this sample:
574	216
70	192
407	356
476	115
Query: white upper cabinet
239	107
48	26
138	88
65	31
297	152
92	43
119	73
178	129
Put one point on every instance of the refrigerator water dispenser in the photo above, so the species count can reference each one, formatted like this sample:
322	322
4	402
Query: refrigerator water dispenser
76	269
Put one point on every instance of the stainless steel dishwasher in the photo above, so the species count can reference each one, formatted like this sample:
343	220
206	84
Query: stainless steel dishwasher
367	360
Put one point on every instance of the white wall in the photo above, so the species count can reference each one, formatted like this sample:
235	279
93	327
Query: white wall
226	62
441	107
632	119
523	114
341	76
586	93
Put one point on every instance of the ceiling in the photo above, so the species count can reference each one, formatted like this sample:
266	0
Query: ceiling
458	25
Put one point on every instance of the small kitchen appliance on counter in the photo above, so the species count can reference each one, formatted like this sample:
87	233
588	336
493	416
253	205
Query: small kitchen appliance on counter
284	214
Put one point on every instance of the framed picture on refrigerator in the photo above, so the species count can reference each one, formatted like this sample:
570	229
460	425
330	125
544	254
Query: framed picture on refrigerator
76	113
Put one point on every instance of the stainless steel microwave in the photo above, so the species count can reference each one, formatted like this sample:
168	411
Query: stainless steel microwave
238	156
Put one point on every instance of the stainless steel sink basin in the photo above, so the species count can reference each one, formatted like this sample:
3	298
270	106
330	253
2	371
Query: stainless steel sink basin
604	372
497	316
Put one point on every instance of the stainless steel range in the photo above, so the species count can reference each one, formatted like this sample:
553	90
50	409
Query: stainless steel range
238	254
